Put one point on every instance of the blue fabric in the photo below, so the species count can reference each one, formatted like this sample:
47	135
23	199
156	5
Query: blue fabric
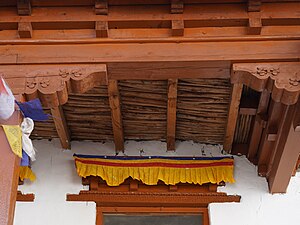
33	109
25	159
152	157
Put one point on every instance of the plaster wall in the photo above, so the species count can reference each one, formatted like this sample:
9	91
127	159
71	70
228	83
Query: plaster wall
56	176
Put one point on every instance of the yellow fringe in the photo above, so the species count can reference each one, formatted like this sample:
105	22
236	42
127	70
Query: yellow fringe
26	173
114	176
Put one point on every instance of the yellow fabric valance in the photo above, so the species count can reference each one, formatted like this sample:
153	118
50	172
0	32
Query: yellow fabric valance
171	170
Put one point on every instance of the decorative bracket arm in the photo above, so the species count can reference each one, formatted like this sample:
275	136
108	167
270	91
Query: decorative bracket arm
281	79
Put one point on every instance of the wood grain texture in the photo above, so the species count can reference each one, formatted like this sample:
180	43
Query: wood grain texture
171	116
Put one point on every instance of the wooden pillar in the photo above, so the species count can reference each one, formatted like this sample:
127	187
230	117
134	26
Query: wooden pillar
116	115
9	172
233	113
286	151
258	126
171	117
61	127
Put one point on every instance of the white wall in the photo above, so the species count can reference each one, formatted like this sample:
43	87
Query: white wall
56	176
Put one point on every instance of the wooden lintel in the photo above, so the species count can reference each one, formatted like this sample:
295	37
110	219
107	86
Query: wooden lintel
101	29
24	7
255	23
177	28
171	116
101	7
61	127
232	117
25	197
116	114
286	155
25	29
177	6
9	167
254	5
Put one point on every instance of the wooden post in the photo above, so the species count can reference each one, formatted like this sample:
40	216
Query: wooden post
9	171
171	117
61	127
286	153
116	115
233	112
257	128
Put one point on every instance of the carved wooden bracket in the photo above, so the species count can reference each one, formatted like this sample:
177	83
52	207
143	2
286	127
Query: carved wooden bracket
52	83
281	79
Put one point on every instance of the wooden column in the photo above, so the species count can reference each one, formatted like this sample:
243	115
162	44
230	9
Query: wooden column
9	172
233	112
171	117
258	126
116	115
61	127
286	153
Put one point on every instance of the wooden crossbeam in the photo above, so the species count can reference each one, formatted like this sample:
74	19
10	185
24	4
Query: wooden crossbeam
24	7
101	7
25	29
61	127
177	6
101	29
171	116
177	27
116	115
233	112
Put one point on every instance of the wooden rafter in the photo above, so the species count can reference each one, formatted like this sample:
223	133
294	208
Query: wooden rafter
177	6
101	7
25	197
171	117
177	28
116	114
254	5
233	112
24	7
61	127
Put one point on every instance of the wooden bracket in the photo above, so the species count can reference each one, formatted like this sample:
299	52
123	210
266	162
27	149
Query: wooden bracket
177	28
24	7
255	23
254	5
101	29
171	116
101	7
25	29
177	6
282	79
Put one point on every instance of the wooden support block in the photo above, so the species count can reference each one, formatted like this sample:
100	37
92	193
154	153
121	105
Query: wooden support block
171	116
255	23
177	27
24	7
101	29
25	29
94	183
101	7
25	197
213	187
254	5
116	115
173	188
286	153
177	6
61	127
133	185
233	112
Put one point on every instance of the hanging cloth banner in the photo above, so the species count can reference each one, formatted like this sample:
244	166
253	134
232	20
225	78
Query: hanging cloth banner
26	173
14	137
7	101
27	127
171	170
33	109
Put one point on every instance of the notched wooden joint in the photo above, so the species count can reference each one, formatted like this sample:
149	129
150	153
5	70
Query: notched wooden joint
101	29
24	7
177	28
101	7
177	6
25	29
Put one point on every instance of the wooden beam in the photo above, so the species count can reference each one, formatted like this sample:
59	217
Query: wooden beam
255	23
24	7
286	153
177	28
101	7
9	167
233	112
171	116
25	197
61	127
101	29
177	6
116	114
